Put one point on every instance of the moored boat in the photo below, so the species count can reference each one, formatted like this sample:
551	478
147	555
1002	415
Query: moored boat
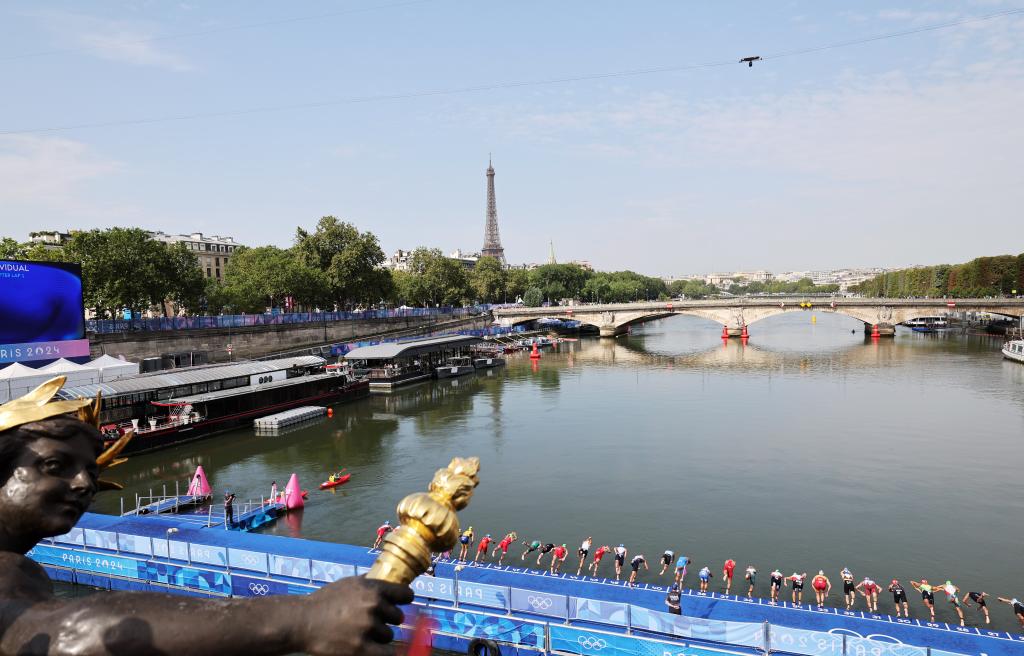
1014	350
488	362
457	366
927	324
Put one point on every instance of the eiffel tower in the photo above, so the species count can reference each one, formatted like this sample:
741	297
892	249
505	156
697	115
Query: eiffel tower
492	240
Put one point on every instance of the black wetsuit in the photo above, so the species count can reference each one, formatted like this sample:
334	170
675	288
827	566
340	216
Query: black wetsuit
546	548
849	587
776	581
899	595
977	598
635	563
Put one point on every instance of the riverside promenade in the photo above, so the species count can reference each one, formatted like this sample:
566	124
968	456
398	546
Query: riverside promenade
521	610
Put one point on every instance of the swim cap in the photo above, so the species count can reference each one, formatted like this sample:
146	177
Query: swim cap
387	522
622	545
895	582
949	583
488	535
563	545
821	572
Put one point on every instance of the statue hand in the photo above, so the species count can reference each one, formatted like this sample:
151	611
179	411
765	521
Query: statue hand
350	617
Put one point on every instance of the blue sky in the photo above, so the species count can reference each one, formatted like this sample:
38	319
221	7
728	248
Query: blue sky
900	151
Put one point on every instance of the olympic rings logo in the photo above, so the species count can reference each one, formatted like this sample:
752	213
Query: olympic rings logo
587	642
251	559
259	589
539	603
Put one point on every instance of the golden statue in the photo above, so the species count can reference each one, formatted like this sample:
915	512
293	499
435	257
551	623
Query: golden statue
428	523
38	405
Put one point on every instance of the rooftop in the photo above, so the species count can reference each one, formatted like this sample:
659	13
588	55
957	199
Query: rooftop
410	348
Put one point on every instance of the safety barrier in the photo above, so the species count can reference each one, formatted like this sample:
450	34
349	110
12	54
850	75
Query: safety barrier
104	326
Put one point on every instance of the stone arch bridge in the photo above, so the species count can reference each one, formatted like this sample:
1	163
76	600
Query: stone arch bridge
735	314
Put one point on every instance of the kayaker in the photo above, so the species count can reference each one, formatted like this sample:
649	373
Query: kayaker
466	539
666	560
485	542
681	564
1018	608
582	553
620	559
544	551
598	555
849	589
822	586
530	548
927	595
382	530
797	581
870	592
728	567
672	600
705	577
899	597
775	581
635	564
505	543
558	557
978	598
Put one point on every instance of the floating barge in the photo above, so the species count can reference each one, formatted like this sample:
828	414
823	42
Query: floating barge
289	417
523	611
395	364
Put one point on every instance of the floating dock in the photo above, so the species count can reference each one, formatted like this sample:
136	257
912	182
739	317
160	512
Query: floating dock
522	610
289	417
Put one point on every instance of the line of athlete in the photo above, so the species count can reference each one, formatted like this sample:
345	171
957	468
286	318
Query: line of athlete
820	584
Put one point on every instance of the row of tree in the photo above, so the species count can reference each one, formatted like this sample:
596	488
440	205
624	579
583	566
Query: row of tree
984	276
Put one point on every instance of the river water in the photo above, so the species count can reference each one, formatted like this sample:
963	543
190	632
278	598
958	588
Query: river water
808	448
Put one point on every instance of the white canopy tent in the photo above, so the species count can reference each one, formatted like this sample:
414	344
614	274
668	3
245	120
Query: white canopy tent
112	368
25	379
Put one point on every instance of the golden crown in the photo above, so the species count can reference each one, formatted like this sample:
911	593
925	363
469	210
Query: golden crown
39	404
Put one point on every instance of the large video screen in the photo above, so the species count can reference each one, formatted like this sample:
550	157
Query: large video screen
41	313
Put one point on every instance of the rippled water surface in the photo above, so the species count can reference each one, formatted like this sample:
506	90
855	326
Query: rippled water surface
809	447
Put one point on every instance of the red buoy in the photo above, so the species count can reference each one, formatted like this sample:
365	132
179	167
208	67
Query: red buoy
725	332
330	412
874	330
744	334
535	354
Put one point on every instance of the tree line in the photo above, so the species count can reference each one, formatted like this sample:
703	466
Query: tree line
984	276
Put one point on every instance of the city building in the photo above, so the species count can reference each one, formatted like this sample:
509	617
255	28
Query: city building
399	261
468	260
213	252
50	239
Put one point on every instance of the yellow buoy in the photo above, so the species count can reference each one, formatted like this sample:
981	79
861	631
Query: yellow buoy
814	319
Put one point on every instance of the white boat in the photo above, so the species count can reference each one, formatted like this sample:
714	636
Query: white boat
926	324
1014	350
457	366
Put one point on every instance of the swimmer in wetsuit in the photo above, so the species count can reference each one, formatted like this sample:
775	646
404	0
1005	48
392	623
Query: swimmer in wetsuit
481	550
899	598
598	555
382	531
774	585
705	577
558	557
582	552
849	589
530	547
750	576
466	540
870	593
927	595
620	558
544	551
953	595
822	586
797	581
666	560
681	564
635	564
727	570
505	543
1018	608
978	598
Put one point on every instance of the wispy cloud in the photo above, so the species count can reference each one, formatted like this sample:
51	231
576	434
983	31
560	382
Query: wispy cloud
125	41
47	172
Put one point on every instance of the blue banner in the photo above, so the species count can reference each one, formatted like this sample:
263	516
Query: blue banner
190	577
246	586
478	625
296	568
591	643
86	562
808	643
430	587
540	603
330	572
255	561
603	612
101	539
481	594
749	634
865	647
139	544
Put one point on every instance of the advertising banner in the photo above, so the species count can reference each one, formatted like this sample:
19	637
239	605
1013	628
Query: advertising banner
540	603
41	308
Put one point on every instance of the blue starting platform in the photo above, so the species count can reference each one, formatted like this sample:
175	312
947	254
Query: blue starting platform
522	610
169	504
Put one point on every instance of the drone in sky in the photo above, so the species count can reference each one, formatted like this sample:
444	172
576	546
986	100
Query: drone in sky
750	60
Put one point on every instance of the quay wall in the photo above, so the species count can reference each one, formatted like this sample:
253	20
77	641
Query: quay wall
525	611
256	341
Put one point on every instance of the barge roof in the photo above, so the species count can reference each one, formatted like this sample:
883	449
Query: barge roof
411	348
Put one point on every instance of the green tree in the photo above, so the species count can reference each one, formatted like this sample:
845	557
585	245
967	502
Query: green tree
559	281
489	280
435	279
516	283
351	261
186	282
11	249
533	297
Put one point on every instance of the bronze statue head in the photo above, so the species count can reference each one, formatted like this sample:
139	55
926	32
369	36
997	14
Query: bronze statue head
49	464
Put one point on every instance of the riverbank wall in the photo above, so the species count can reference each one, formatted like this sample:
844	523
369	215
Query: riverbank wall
522	610
250	342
